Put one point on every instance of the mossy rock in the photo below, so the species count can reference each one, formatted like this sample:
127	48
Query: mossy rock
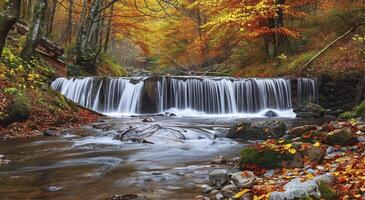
19	109
326	192
342	137
268	159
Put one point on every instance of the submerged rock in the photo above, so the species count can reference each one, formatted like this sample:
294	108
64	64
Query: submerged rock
127	197
243	179
219	160
271	113
257	131
218	177
149	119
52	132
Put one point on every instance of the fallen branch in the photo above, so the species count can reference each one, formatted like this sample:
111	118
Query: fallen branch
330	45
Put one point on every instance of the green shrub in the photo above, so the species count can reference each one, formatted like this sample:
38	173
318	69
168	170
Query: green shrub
347	115
359	109
19	109
301	60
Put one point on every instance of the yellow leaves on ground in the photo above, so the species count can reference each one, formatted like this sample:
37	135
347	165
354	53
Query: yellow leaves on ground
241	193
317	144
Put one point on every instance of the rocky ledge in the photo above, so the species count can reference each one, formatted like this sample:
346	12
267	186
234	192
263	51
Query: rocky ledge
308	162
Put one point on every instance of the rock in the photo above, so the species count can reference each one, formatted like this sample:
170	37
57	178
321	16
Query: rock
324	128
243	179
330	150
310	110
300	130
4	162
52	132
269	159
127	197
149	119
219	160
201	197
361	138
329	117
229	190
271	113
257	131
269	173
342	137
2	156
219	196
314	154
296	189
247	196
214	192
54	188
218	177
361	128
172	115
207	189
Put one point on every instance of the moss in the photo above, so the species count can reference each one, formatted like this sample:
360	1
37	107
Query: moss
358	110
267	159
326	192
301	60
347	115
19	109
110	66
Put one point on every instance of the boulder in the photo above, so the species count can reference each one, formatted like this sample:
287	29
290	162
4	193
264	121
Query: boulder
229	190
218	177
310	110
342	137
271	113
314	154
243	179
219	160
52	132
269	159
296	189
257	131
300	130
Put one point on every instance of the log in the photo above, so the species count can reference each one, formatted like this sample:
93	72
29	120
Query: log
45	46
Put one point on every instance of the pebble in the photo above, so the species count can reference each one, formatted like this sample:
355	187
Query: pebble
54	188
311	171
320	167
219	196
269	173
330	149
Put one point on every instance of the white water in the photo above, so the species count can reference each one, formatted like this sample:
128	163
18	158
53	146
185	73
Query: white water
188	96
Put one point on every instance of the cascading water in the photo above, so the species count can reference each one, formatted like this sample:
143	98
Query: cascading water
307	90
206	95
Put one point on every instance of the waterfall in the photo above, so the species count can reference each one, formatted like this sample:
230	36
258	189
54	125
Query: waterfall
209	95
103	95
307	90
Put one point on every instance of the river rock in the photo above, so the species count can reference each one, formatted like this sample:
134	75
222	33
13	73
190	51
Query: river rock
52	132
219	196
342	137
218	177
271	113
298	131
2	156
310	110
149	119
219	160
257	131
54	188
229	190
127	197
243	179
207	189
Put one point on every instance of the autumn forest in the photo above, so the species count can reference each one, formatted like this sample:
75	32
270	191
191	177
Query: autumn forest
182	99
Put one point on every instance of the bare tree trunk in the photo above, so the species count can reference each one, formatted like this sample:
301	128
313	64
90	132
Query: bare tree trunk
8	18
35	32
69	22
109	27
51	18
85	51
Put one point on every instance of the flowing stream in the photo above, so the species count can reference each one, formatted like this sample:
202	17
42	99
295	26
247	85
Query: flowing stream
165	159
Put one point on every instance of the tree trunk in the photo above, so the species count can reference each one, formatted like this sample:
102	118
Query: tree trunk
51	18
8	18
35	33
69	22
85	50
109	27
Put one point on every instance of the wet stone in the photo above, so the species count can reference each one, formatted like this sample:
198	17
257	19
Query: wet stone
218	177
54	188
127	197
